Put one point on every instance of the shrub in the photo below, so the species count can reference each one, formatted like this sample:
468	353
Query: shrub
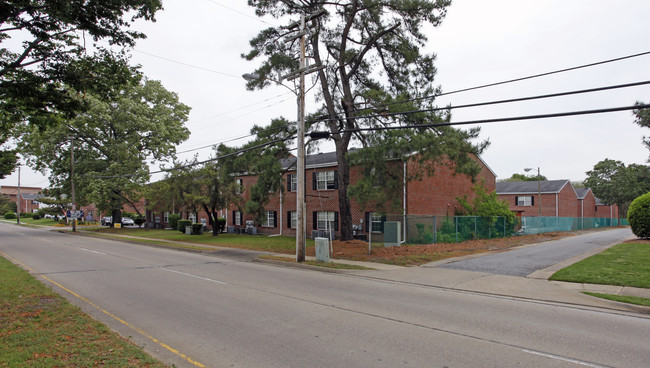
10	216
139	220
173	220
182	224
639	216
26	215
36	217
197	228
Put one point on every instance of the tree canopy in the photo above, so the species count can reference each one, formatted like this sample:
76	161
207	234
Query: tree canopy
375	75
44	55
614	183
643	119
522	177
112	141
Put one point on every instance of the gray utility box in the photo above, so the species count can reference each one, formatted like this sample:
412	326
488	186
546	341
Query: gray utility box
392	232
188	230
322	249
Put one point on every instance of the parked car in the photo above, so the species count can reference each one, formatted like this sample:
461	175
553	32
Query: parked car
127	221
106	221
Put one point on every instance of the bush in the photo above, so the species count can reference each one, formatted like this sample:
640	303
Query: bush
26	215
173	220
139	220
182	224
10	216
197	229
36	217
638	215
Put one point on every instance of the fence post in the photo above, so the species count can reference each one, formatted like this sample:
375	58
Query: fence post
475	229
456	222
435	231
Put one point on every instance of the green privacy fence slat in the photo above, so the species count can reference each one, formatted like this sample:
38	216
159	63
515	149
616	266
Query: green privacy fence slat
453	229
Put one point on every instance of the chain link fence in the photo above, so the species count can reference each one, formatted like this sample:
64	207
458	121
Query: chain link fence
417	229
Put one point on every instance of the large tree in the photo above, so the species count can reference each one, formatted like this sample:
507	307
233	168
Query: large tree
43	54
113	142
375	76
614	183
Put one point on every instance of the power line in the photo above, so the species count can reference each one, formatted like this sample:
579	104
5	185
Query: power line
481	121
188	65
497	120
520	99
512	80
240	13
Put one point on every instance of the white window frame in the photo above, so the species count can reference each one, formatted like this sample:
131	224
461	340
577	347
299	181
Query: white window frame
324	179
237	218
294	220
240	186
525	201
293	179
322	219
166	217
375	222
192	217
270	219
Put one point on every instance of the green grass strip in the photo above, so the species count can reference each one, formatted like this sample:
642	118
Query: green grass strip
39	328
622	265
622	298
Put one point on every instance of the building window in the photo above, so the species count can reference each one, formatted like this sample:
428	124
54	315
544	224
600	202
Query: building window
292	216
270	219
326	220
236	218
292	183
525	201
192	217
324	180
166	217
377	223
240	186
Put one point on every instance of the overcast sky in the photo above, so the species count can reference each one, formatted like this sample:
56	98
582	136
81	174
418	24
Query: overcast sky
194	49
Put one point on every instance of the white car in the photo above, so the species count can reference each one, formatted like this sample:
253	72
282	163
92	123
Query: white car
127	221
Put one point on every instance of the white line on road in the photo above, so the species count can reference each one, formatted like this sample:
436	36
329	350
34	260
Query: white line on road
569	360
196	277
93	251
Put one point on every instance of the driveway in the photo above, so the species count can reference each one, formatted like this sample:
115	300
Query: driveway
526	260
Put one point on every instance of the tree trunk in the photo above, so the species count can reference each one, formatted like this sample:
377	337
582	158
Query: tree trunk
116	215
345	209
213	217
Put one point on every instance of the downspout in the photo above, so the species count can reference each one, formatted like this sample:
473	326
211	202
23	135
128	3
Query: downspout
404	204
557	204
281	212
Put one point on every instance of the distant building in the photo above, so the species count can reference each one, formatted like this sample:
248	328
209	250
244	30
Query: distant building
28	202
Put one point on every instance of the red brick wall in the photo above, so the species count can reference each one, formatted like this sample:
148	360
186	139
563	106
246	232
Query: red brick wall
562	204
603	211
436	195
429	196
587	206
567	202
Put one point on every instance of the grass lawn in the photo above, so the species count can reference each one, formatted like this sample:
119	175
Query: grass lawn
623	298
39	328
622	265
278	244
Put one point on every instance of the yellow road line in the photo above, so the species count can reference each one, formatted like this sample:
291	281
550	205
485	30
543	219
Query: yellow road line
137	329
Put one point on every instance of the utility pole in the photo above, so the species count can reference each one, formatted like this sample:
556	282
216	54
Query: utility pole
74	206
300	200
18	197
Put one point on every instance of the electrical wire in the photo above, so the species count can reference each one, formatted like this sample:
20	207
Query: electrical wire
420	126
188	65
520	99
510	80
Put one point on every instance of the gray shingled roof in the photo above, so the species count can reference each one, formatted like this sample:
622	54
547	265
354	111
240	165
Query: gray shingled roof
581	192
527	187
31	196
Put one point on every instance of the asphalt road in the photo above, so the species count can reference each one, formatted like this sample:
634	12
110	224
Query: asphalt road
194	310
526	260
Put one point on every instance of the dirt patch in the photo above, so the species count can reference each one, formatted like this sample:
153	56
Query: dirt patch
411	254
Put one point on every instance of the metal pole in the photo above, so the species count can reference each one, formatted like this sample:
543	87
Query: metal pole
539	190
18	198
300	205
74	206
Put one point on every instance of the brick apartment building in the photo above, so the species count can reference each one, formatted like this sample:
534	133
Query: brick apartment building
435	195
28	197
558	199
